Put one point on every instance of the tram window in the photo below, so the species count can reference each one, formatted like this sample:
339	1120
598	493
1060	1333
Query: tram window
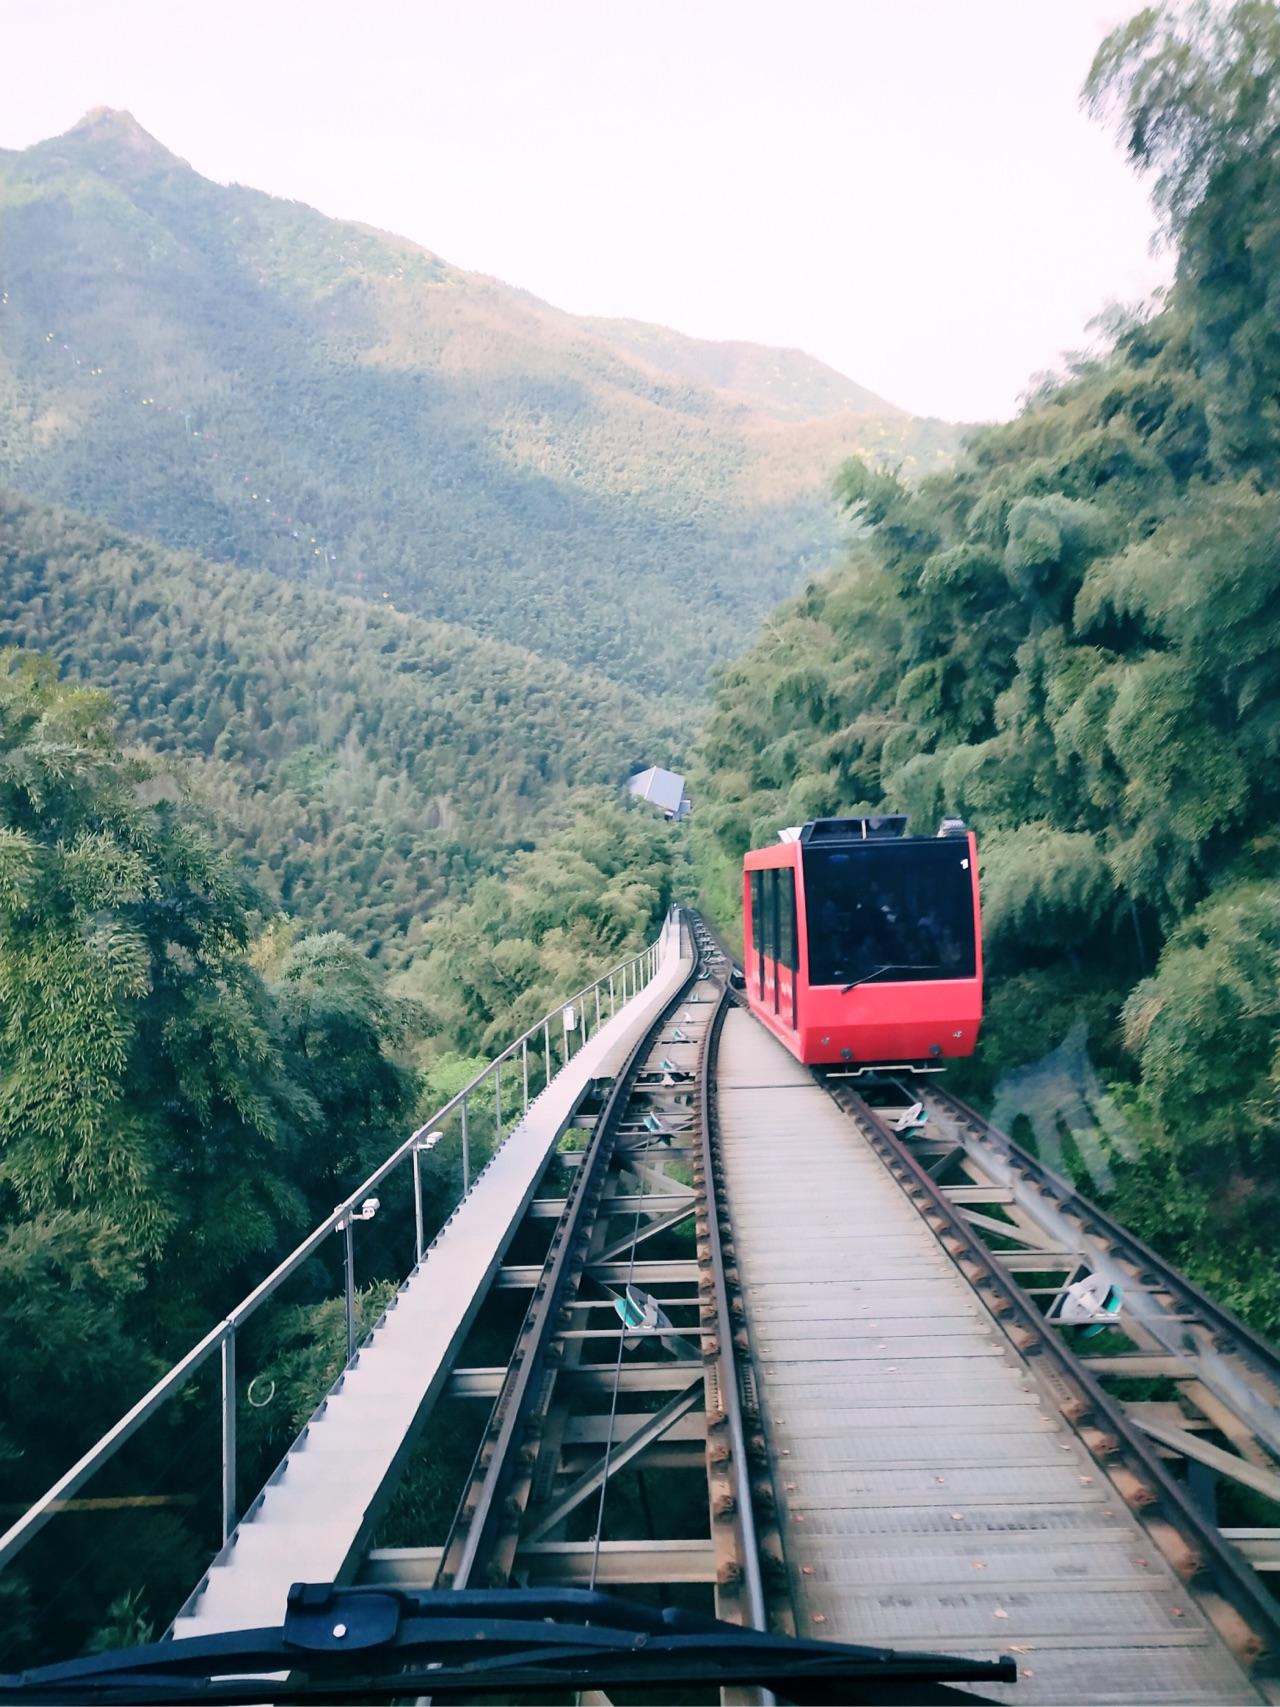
775	889
769	914
903	910
757	911
787	918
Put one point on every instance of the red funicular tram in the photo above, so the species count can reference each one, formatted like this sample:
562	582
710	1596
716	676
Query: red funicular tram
863	945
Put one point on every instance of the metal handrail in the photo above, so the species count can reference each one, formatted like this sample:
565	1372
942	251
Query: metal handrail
624	979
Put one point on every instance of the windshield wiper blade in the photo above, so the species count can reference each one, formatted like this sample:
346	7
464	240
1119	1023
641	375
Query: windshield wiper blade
890	966
383	1644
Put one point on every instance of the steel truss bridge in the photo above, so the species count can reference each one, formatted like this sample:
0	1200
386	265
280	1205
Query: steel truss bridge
788	1355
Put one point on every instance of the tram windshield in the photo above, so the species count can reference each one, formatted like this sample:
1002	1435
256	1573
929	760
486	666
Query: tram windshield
900	911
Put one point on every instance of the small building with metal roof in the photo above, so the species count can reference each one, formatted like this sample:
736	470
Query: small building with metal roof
661	789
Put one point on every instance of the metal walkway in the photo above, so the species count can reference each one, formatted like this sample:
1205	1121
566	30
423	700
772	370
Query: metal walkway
315	1516
930	1495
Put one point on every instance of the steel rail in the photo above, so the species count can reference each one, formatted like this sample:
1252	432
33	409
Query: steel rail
1232	1340
471	1536
1100	1421
1152	1490
730	1397
1233	1337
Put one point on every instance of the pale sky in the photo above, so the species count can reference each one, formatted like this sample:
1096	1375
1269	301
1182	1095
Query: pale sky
905	188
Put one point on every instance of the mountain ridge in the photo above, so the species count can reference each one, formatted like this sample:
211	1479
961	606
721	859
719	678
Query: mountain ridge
714	362
741	367
402	427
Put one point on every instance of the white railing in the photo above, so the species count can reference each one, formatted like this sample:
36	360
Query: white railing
583	1012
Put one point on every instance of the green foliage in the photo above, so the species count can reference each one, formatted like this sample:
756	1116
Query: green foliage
1194	92
66	1279
364	764
168	1122
128	1019
339	1026
180	1100
585	899
1072	638
1190	89
1045	887
1028	1013
1206	1028
126	1626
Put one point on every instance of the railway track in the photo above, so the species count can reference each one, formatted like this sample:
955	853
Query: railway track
1222	1367
865	1424
629	1358
834	1331
1001	1221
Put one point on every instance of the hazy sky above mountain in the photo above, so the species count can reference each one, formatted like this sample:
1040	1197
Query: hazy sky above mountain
905	188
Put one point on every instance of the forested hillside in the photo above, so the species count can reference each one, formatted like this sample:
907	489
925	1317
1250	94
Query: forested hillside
180	1100
242	377
784	383
321	848
1072	638
365	763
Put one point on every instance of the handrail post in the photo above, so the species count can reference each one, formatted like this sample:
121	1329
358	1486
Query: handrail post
497	1105
349	1275
613	1000
597	1007
466	1151
546	1046
419	1236
229	1509
524	1070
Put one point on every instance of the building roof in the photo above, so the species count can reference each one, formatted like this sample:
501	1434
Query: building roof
658	787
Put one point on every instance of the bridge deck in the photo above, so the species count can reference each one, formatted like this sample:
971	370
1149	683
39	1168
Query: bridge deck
930	1495
313	1519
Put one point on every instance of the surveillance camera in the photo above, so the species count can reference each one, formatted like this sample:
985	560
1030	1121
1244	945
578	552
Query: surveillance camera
369	1208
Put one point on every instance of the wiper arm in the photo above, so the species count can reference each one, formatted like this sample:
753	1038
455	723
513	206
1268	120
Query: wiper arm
889	966
376	1644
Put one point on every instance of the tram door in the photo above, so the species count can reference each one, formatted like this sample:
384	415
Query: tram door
776	941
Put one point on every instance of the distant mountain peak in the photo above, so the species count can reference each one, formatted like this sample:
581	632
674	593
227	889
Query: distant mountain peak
785	383
214	366
113	131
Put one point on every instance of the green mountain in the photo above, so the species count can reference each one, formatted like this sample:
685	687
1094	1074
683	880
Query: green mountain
786	384
239	376
365	763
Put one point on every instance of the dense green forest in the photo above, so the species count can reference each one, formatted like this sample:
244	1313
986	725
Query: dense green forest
241	377
280	867
1072	637
180	1100
364	763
